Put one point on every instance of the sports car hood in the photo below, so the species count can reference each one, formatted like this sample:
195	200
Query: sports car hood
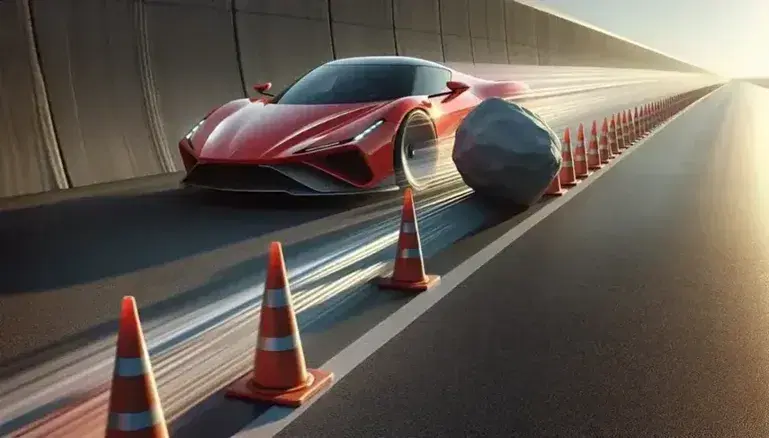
267	131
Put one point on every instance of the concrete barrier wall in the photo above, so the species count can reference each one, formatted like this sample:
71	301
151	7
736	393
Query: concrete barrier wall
194	63
362	27
29	156
95	91
761	82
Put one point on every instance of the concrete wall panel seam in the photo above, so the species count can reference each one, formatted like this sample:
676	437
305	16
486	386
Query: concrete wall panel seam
395	33
440	29
150	93
43	104
504	23
195	70
470	33
238	57
331	29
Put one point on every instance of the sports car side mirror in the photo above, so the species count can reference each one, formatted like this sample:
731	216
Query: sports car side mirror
263	88
457	87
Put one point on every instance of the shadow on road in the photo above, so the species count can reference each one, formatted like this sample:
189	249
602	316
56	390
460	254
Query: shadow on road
79	241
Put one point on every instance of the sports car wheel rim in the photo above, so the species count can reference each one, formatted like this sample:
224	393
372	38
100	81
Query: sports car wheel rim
419	151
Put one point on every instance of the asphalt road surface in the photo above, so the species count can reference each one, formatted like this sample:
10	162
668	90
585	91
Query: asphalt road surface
66	264
640	308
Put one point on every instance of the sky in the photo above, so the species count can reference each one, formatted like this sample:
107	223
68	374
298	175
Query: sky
728	37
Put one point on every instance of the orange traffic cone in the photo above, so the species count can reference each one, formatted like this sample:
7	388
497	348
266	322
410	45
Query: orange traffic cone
134	405
661	112
580	159
611	138
621	134
555	189
593	157
626	130
649	117
409	270
658	113
644	120
614	137
568	176
631	121
280	375
636	124
603	143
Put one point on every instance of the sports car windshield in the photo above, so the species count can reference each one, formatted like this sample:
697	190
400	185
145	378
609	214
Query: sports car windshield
360	83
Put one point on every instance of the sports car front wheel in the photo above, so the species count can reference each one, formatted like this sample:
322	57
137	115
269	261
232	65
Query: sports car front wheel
416	151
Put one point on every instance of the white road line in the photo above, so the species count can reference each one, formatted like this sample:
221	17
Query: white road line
277	418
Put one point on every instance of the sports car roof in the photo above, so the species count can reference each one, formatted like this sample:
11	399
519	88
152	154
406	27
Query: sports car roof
385	60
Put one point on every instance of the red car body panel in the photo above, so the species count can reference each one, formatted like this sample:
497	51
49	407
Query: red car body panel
296	139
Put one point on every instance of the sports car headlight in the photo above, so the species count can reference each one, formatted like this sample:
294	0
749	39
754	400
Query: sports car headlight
358	137
194	130
368	130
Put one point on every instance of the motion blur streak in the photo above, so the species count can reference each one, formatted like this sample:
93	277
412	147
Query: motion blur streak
195	353
199	366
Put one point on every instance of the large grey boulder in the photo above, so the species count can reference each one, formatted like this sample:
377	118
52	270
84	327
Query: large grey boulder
506	152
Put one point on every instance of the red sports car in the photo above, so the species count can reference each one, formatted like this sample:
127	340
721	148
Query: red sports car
349	126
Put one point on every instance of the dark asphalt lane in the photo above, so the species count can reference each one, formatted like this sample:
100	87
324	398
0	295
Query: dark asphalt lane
79	241
65	264
648	314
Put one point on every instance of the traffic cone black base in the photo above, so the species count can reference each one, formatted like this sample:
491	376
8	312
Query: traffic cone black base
555	189
392	284
245	389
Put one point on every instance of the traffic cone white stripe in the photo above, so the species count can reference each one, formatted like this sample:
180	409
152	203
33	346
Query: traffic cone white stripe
129	367
135	421
276	298
411	253
286	343
409	228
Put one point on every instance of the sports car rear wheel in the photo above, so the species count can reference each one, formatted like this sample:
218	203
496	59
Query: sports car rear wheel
415	151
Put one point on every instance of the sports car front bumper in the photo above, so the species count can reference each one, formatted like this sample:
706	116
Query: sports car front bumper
293	179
